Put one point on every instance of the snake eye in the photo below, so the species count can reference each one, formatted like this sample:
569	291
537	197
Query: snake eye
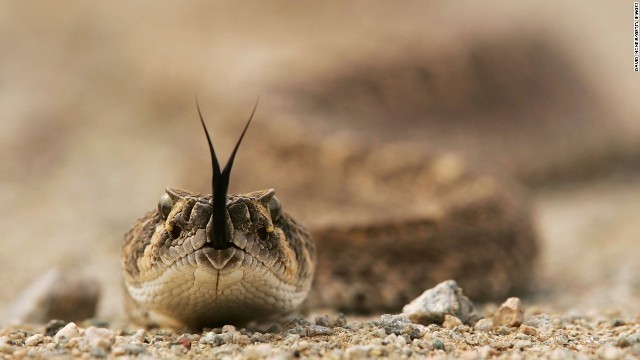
165	205
275	208
262	233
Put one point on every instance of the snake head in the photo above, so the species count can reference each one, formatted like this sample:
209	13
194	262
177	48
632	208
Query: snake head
203	260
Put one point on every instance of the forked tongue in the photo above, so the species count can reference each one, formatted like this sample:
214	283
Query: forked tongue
220	185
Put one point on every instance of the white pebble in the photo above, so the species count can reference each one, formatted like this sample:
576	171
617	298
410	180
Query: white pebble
69	331
138	336
34	340
99	337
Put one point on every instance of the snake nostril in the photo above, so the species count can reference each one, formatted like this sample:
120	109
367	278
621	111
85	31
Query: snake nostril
175	231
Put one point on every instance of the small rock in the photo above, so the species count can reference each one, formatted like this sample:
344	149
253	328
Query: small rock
399	325
53	326
450	321
528	330
34	340
57	295
229	329
314	330
257	337
394	324
187	343
240	339
435	303
214	339
562	339
510	313
340	320
438	344
323	321
99	338
69	331
540	322
138	336
503	330
331	322
485	325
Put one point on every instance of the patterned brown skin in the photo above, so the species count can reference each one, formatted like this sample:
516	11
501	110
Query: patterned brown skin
175	278
484	240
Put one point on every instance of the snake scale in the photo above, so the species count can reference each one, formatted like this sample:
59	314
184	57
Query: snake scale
184	265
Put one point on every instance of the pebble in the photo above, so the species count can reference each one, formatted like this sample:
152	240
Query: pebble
138	336
451	321
99	338
431	307
257	337
528	330
484	325
394	324
323	321
34	340
399	325
69	331
53	326
510	313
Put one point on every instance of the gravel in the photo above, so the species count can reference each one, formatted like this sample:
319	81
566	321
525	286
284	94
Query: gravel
556	336
505	331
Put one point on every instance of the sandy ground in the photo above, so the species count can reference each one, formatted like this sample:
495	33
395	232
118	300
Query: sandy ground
96	105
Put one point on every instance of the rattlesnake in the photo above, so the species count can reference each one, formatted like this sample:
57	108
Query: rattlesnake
179	270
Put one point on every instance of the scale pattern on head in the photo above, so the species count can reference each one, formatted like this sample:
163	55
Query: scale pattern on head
220	185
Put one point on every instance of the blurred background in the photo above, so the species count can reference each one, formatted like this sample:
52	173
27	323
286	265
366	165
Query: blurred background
97	117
